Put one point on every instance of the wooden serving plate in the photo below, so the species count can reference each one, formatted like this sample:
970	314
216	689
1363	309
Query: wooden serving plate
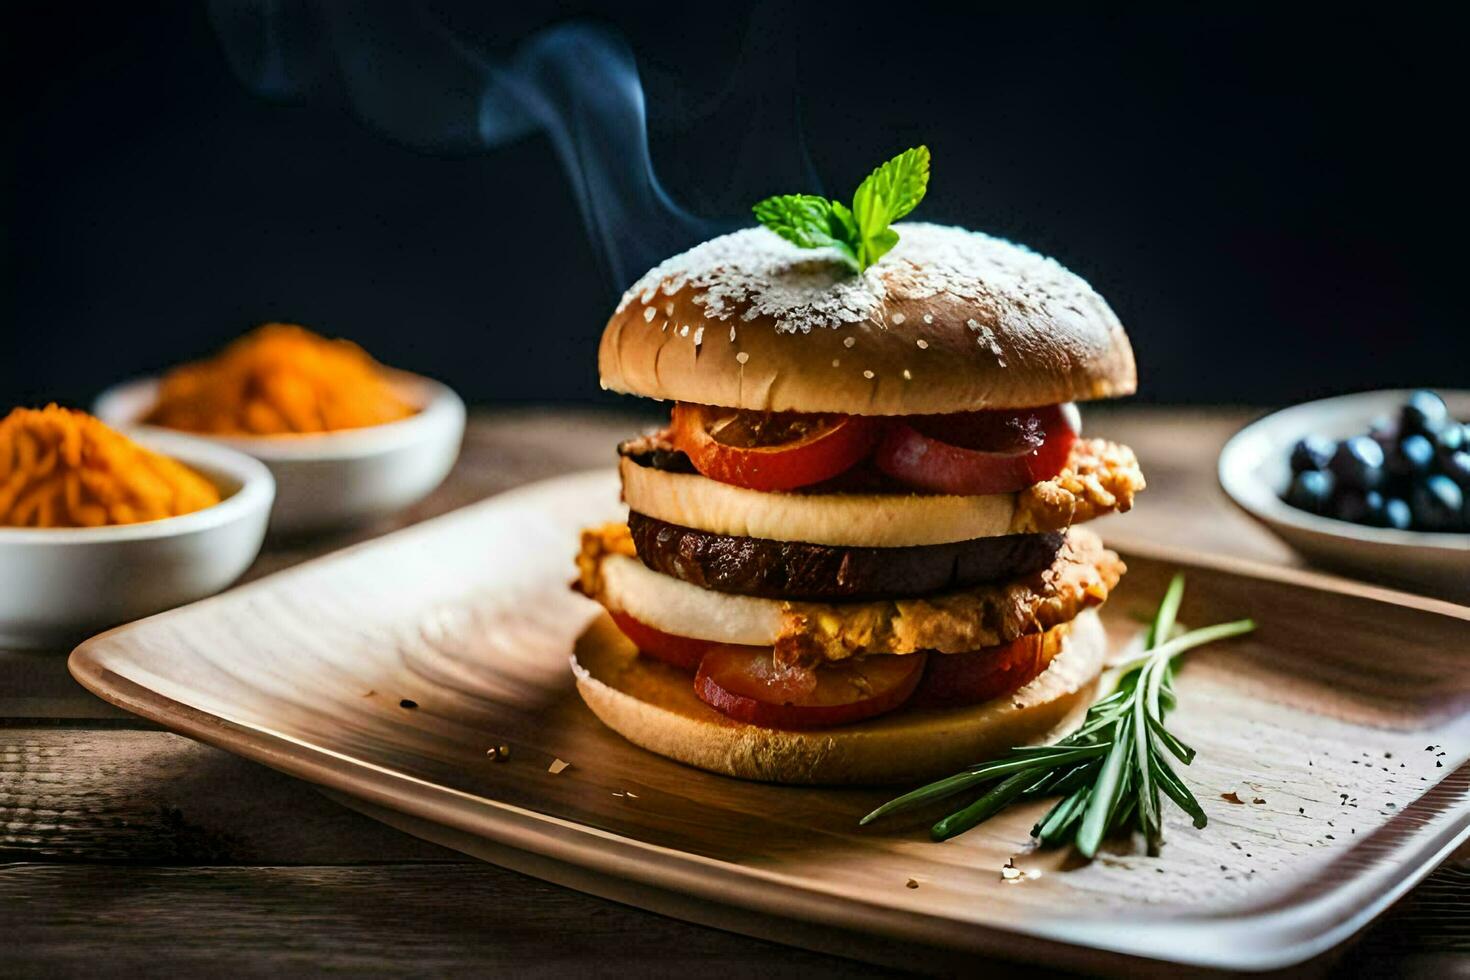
384	673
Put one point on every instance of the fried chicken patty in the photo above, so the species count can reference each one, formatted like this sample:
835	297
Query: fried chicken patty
809	633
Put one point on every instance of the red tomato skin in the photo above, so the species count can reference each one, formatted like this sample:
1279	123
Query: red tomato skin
713	685
927	463
676	651
772	469
953	680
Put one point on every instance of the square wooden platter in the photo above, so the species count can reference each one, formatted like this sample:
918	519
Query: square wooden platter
385	673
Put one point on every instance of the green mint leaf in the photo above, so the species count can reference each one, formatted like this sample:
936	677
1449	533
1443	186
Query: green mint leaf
844	225
901	182
889	192
862	235
806	220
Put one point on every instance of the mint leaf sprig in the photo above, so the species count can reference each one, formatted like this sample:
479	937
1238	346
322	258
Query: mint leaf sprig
860	234
1110	772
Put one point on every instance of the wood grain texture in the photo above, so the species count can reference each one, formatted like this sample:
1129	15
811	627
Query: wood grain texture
1183	506
153	797
385	671
397	920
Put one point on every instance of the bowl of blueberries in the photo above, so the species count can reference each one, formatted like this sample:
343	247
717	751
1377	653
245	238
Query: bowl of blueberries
1376	484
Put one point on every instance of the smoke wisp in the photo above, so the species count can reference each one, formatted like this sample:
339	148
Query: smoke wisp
407	74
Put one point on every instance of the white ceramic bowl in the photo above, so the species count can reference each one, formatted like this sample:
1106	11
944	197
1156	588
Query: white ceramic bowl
59	585
1255	471
336	479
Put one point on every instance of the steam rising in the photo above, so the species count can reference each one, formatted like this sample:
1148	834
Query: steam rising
409	76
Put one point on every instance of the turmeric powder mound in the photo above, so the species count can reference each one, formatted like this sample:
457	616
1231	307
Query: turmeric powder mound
276	380
60	468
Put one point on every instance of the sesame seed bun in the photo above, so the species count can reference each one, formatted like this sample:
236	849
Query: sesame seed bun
654	706
948	321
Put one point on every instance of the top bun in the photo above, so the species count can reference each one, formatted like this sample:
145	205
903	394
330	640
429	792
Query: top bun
948	321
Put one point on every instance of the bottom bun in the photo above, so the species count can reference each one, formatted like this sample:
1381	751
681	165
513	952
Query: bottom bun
654	706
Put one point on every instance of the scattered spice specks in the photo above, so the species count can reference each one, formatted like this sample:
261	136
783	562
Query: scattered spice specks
911	883
1257	800
557	765
1231	797
407	703
498	753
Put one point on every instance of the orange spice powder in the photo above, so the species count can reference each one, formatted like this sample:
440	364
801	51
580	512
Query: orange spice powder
60	468
277	380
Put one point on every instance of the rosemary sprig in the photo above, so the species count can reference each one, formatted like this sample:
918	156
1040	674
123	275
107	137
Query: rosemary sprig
1112	772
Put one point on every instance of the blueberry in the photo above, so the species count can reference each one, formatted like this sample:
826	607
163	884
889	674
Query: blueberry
1396	513
1424	413
1311	453
1359	508
1311	491
1451	439
1437	504
1358	463
1457	468
1375	510
1413	456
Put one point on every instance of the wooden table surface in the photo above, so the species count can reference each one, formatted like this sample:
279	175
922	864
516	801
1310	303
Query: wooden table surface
130	850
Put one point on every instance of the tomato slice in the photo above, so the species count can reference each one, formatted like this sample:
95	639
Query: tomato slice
977	452
745	683
955	679
678	651
771	450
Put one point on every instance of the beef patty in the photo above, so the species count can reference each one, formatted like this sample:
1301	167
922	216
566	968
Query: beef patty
796	570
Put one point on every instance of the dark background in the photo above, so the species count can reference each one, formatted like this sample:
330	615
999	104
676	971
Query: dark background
1273	206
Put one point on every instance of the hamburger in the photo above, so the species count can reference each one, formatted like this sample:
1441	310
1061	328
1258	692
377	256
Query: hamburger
855	553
